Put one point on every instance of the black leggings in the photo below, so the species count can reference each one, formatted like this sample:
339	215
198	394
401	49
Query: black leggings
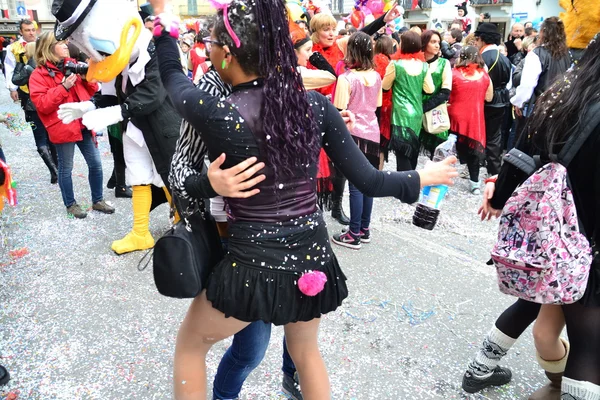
469	156
583	327
473	162
516	318
404	163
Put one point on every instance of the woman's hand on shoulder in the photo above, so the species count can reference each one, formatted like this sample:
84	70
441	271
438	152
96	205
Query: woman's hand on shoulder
439	173
237	181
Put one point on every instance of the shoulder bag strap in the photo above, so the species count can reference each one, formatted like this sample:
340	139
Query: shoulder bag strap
495	62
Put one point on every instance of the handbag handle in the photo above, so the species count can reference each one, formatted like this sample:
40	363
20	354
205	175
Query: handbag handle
139	266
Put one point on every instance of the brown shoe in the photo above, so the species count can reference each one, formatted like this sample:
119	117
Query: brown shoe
551	391
103	207
76	211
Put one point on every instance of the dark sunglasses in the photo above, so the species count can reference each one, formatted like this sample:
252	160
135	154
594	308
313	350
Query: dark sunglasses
208	42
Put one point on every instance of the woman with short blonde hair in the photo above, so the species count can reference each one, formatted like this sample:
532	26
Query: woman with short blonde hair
44	50
50	86
321	22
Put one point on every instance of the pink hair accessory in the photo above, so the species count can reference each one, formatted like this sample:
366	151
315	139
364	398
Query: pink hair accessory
312	283
223	5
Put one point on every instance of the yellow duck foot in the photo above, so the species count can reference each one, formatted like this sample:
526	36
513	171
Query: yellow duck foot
133	242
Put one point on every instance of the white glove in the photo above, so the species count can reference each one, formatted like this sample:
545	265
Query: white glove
69	112
98	120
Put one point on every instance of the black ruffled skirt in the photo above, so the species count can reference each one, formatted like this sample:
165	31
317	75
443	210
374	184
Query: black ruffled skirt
258	279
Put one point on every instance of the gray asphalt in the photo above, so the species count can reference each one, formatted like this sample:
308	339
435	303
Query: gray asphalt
78	322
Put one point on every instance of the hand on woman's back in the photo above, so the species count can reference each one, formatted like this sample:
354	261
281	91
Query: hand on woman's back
237	181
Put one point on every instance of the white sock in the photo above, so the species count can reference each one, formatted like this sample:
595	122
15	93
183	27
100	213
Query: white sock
494	347
579	390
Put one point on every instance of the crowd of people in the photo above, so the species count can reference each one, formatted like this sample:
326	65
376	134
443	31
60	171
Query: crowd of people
358	96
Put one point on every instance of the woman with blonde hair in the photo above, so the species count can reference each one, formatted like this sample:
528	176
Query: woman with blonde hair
50	85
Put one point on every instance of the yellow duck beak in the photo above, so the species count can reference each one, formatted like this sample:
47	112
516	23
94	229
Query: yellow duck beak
108	69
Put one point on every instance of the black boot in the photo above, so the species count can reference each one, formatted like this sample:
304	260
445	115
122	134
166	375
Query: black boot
112	182
337	212
47	157
121	188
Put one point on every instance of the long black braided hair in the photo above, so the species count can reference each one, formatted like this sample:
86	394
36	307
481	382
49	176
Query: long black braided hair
292	135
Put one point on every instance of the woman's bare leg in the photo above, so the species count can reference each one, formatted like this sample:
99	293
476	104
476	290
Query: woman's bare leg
546	332
301	339
202	327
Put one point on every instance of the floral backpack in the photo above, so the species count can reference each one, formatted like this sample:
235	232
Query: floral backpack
542	254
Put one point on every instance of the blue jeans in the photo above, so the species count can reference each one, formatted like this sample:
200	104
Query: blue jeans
65	152
246	352
361	207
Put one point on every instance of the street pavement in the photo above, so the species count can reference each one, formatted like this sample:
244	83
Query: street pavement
79	322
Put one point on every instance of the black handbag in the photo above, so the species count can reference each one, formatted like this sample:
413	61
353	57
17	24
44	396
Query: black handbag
22	72
185	255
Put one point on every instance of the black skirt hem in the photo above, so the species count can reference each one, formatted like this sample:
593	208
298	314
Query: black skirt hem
272	296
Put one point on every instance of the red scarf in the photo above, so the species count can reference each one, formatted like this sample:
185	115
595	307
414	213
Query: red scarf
420	56
333	55
470	70
381	63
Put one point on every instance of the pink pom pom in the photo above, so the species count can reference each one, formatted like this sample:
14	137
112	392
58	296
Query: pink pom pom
312	283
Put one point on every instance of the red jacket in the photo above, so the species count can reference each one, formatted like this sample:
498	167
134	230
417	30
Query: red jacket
47	94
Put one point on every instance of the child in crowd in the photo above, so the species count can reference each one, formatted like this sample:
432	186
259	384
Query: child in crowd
359	91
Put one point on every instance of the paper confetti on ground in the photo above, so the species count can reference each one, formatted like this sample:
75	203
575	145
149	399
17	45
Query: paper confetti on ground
16	124
18	253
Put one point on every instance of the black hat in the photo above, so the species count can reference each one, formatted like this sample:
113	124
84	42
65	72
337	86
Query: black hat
486	27
463	6
69	15
146	11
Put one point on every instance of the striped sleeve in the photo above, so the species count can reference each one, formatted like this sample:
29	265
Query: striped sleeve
190	151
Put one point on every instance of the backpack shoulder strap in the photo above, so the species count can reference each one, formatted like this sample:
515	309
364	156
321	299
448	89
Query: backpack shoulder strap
576	142
523	161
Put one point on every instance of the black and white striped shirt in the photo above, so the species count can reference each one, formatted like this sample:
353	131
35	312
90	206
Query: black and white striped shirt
190	151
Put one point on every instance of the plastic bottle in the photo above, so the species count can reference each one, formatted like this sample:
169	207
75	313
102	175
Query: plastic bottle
428	209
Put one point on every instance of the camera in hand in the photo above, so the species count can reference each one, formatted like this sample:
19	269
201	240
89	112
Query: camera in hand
75	68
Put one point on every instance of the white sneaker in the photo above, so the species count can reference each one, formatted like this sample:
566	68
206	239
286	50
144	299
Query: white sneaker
475	187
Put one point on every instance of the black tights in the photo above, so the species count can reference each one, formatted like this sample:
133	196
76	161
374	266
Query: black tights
583	327
516	318
404	163
471	158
